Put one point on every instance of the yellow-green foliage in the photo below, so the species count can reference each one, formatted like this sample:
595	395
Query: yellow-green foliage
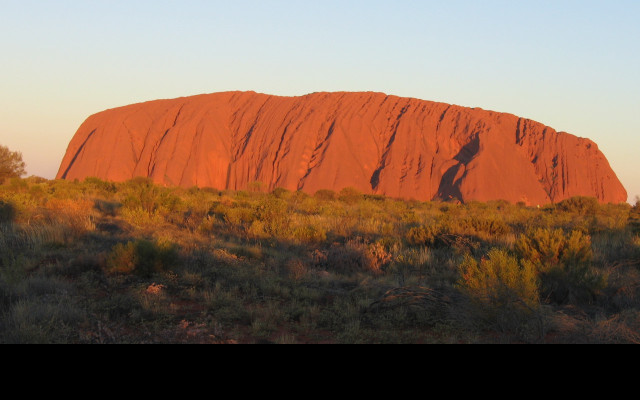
237	215
281	193
325	195
490	226
99	187
564	264
142	257
142	218
500	281
310	234
272	213
424	235
350	195
141	193
580	205
549	248
542	246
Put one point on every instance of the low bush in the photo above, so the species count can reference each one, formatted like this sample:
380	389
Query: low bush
281	193
350	195
309	234
142	257
326	195
410	262
235	216
490	226
543	247
143	194
272	213
100	186
353	257
564	264
424	235
580	205
573	284
107	208
499	280
7	212
504	291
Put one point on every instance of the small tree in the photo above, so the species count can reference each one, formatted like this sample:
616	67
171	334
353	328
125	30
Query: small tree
11	164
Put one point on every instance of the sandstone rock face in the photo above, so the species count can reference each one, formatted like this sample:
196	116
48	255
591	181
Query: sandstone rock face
379	144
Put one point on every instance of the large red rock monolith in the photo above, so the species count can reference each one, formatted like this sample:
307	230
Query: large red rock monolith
379	144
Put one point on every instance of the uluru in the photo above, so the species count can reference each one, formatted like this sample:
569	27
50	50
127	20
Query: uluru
379	144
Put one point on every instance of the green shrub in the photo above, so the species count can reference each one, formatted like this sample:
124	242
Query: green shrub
580	204
353	257
564	264
410	262
543	247
424	235
298	197
504	293
572	283
310	234
491	226
309	205
499	280
109	208
7	212
325	195
247	251
281	193
548	248
142	193
18	185
350	195
273	214
140	217
142	257
574	279
100	186
577	249
236	215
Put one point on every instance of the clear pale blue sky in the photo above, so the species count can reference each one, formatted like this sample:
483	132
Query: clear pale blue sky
571	64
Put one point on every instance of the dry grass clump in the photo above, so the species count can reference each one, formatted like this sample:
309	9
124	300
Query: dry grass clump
353	257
